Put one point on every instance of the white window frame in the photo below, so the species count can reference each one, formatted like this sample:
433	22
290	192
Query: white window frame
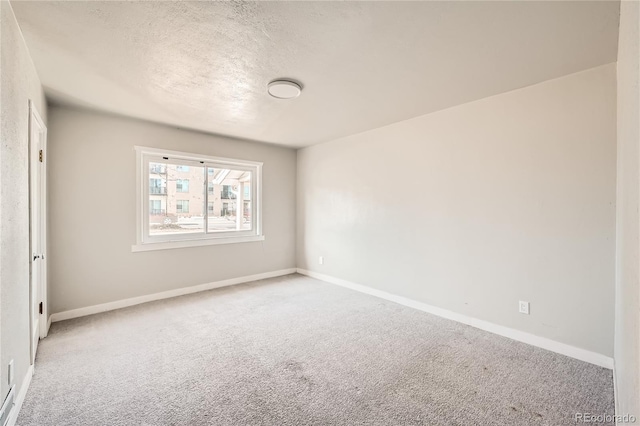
146	242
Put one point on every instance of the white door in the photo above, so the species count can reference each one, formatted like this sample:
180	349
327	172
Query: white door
37	191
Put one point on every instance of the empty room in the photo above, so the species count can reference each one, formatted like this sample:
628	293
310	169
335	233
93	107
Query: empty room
319	213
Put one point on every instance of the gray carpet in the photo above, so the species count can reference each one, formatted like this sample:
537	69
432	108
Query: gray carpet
296	351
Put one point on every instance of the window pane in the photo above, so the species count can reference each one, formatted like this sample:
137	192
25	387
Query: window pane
230	206
176	199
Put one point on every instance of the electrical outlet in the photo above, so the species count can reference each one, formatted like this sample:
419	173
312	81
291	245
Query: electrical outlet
10	372
321	260
523	307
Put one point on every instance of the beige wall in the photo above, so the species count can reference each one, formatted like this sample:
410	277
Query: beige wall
92	215
504	199
627	323
18	84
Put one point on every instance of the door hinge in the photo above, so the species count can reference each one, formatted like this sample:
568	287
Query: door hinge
40	308
40	156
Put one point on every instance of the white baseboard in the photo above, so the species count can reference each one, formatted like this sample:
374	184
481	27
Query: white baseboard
521	336
95	309
13	417
48	325
616	398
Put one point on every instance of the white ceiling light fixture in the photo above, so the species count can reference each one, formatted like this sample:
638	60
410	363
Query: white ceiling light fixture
284	89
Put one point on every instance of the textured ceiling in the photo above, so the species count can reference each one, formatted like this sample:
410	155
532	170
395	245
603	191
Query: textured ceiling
206	65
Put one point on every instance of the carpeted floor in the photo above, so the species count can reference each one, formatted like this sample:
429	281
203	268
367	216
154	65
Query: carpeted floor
296	351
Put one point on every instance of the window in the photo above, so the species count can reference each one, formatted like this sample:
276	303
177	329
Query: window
157	186
155	208
228	192
182	206
177	196
157	169
182	185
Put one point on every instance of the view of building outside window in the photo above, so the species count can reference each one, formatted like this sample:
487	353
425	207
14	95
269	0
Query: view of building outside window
177	199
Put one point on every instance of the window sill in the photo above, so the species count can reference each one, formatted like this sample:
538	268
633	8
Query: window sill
167	245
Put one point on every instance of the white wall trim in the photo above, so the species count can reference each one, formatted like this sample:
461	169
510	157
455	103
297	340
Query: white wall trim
48	326
521	336
165	245
13	417
110	306
616	398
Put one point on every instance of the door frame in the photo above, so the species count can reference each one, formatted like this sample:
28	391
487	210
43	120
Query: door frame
37	135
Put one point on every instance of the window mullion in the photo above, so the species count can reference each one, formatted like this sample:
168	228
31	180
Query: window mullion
145	197
206	199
